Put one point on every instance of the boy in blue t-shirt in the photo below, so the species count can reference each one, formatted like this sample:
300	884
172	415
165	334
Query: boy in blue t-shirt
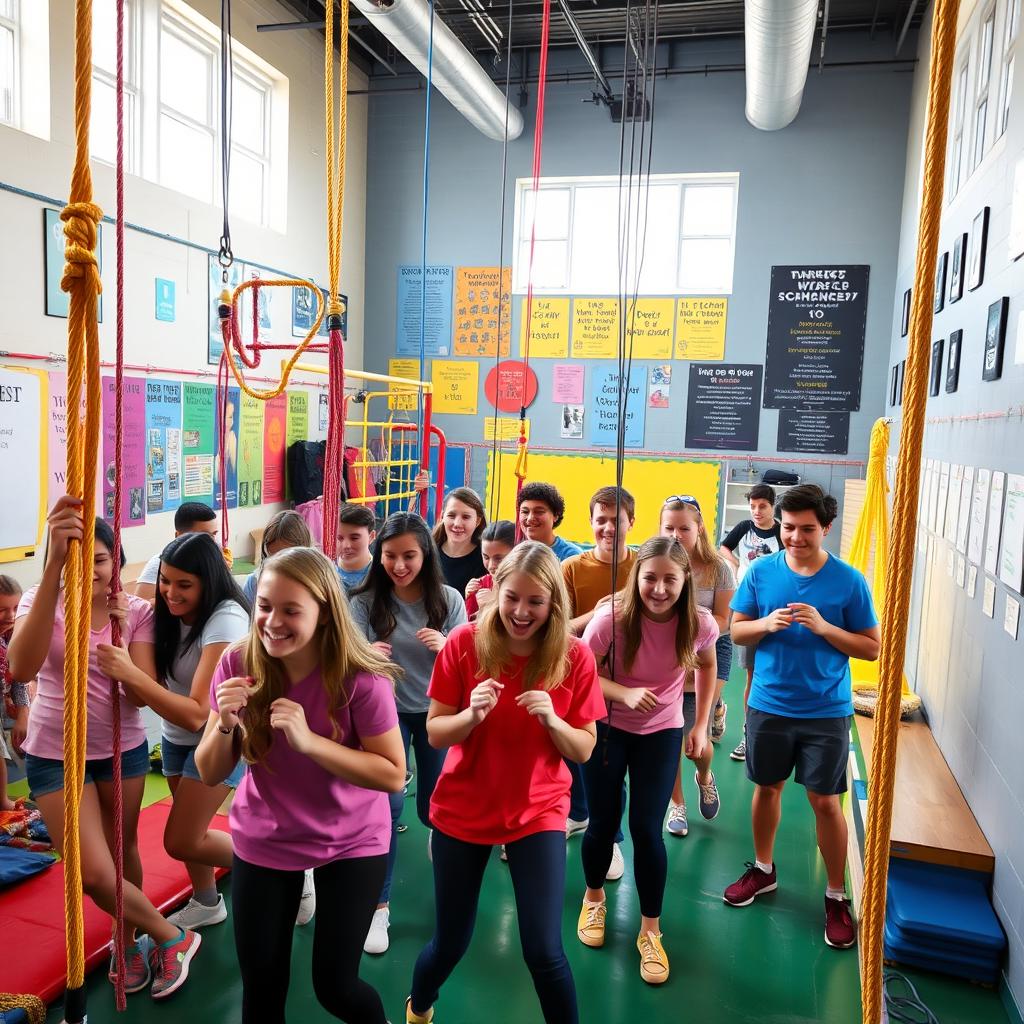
809	613
356	532
541	510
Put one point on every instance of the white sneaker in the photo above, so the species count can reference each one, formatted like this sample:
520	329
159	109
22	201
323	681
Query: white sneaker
618	866
574	827
307	905
377	937
197	915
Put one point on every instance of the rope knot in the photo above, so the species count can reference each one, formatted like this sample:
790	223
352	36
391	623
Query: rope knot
81	233
335	307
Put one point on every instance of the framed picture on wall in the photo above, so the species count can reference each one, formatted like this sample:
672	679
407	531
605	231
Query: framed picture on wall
995	338
894	382
905	323
940	281
953	362
956	277
57	301
979	243
936	368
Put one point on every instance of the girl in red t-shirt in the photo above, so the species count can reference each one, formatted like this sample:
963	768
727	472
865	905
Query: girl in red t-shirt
497	540
511	695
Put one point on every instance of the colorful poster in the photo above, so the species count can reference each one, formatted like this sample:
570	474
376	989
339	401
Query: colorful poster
197	429
133	450
226	462
659	388
57	300
437	325
165	300
700	328
163	445
217	283
567	383
250	453
297	427
275	415
23	433
265	303
456	386
506	427
482	309
549	331
57	446
595	328
399	398
605	407
649	327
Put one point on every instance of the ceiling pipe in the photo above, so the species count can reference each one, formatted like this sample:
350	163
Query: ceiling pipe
778	37
455	72
588	53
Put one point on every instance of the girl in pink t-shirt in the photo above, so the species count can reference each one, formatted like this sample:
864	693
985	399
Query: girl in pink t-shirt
647	641
37	650
310	706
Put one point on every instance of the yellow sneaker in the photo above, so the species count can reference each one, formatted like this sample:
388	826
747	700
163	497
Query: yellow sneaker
653	959
415	1018
590	928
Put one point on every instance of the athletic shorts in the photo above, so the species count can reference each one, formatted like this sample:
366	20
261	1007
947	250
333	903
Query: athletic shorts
180	759
817	749
46	774
723	652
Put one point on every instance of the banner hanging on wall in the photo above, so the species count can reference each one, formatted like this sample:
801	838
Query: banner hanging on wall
815	352
163	445
595	328
437	335
723	406
604	411
197	422
297	427
482	307
227	461
275	416
133	450
549	335
250	452
814	430
23	433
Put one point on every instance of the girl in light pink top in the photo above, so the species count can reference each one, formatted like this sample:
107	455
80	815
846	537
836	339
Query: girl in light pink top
37	650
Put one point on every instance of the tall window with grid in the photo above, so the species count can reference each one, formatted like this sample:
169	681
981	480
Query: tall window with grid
9	69
1010	30
103	120
985	40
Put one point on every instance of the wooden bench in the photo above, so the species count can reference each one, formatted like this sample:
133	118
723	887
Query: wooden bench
931	820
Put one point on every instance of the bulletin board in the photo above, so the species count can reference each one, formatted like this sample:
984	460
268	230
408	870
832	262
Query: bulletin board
577	477
24	402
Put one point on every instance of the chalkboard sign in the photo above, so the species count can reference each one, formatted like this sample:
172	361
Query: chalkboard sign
723	406
814	430
816	322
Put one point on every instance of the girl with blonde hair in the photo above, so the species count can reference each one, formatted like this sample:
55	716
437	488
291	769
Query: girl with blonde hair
512	694
310	706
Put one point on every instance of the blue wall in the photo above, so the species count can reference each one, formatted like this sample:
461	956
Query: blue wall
827	189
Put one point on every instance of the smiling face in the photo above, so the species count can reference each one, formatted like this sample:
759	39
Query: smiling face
8	608
102	569
181	591
681	524
660	582
494	552
802	535
524	606
354	545
605	526
537	522
402	559
460	520
286	616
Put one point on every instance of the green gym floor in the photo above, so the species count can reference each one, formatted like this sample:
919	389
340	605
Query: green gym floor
766	963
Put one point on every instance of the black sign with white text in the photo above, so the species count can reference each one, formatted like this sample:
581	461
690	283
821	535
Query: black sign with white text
814	430
723	406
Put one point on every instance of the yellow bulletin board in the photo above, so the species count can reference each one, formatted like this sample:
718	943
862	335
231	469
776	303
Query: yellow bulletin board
649	480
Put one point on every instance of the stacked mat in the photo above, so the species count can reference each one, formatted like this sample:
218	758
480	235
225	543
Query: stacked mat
941	919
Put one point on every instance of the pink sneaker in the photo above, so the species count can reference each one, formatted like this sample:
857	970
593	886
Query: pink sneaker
136	965
170	964
754	881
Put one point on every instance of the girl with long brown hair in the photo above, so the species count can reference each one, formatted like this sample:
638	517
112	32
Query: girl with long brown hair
457	535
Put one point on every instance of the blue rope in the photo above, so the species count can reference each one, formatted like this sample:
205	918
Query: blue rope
425	441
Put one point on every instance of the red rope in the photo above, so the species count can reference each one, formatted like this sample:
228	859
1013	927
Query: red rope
335	454
222	435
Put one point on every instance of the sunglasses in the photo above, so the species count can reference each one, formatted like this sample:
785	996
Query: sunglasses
686	499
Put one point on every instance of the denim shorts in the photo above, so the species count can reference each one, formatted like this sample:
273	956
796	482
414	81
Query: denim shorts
180	759
46	774
723	652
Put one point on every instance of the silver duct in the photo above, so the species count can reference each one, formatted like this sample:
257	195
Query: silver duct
456	73
778	38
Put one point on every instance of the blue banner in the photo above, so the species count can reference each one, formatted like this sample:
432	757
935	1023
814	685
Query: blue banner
163	445
437	335
230	462
604	411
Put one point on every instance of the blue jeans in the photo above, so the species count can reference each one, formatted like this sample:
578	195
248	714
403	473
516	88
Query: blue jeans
537	866
651	760
429	763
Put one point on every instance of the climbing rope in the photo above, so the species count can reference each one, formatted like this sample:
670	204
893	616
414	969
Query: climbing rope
81	280
895	613
33	1006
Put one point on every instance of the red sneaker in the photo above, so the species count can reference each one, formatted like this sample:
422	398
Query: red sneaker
170	964
840	929
754	882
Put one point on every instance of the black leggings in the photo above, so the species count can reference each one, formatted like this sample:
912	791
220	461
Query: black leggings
537	866
264	903
651	760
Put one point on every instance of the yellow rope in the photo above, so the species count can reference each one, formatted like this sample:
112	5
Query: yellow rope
34	1007
901	551
335	155
81	280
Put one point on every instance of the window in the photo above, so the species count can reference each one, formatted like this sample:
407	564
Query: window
9	62
250	144
985	39
676	234
1006	77
956	161
103	123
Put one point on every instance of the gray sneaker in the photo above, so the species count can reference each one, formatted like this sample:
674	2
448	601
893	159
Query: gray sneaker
709	802
740	753
197	915
136	965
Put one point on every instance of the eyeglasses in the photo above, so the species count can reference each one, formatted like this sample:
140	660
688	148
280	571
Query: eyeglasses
686	499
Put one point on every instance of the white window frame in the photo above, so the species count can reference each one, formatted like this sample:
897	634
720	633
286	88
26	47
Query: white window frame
524	186
957	174
982	86
13	25
253	78
133	99
1011	30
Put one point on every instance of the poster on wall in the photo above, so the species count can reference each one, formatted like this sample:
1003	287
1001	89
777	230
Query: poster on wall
979	506
595	328
700	328
304	311
163	445
456	385
23	433
437	325
605	407
1011	559
53	231
482	309
723	406
814	430
567	383
995	522
399	398
650	325
511	385
659	387
164	307
549	330
816	322
133	450
227	461
296	427
215	285
197	422
572	421
264	305
250	453
275	416
323	419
